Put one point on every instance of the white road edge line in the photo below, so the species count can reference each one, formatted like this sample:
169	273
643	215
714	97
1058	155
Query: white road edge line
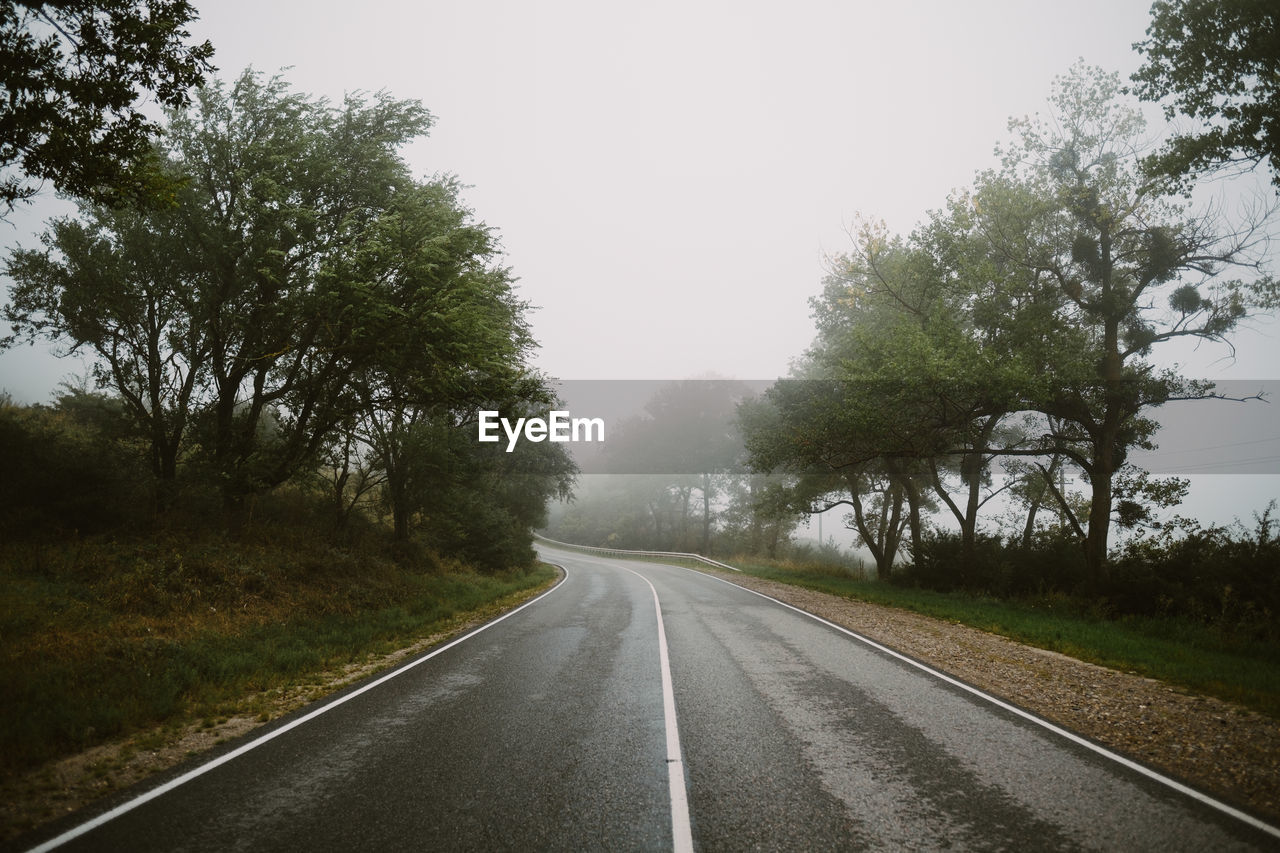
681	830
1026	715
130	805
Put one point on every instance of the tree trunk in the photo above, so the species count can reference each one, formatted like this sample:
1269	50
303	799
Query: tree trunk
913	519
1100	481
706	514
1036	499
398	491
883	541
1105	439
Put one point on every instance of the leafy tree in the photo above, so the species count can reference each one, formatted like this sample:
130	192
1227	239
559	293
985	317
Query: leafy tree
122	284
911	381
477	500
932	373
1044	290
348	475
1034	485
1218	62
68	468
235	321
1115	268
813	430
72	74
759	517
286	194
448	330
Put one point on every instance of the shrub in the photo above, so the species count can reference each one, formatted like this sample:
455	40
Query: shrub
1225	576
63	474
1051	563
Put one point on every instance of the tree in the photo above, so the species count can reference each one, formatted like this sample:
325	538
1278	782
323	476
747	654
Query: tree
910	381
286	195
933	373
122	284
70	468
475	500
811	427
1219	63
760	515
72	75
1116	266
233	321
1045	291
303	280
447	334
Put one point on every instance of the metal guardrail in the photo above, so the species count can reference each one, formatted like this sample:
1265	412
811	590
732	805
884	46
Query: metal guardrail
623	552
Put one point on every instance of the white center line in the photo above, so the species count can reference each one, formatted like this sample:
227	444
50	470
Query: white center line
681	831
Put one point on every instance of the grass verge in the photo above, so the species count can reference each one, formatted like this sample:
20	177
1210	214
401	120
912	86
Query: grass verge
1197	657
103	638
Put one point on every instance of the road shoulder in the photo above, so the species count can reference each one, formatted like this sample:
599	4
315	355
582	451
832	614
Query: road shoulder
66	785
1225	750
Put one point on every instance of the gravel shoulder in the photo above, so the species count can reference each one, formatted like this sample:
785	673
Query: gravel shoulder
1227	751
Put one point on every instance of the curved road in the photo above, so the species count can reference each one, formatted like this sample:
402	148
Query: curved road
592	720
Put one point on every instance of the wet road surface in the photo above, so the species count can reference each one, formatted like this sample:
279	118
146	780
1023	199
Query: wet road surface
554	729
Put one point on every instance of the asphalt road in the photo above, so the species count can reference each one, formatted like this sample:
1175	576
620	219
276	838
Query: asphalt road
555	728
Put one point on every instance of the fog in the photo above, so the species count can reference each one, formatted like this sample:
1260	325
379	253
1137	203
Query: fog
668	177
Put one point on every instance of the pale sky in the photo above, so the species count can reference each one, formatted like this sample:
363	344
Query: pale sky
667	176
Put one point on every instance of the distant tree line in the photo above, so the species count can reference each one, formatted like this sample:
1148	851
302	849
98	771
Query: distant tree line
300	310
678	480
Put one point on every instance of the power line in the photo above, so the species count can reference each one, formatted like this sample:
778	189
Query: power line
1221	446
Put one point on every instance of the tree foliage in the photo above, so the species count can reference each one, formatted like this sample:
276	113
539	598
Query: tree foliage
305	302
1124	267
73	75
1218	63
1019	321
71	467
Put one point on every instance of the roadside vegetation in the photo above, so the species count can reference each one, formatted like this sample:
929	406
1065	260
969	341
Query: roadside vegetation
107	634
1233	659
131	640
270	468
1208	639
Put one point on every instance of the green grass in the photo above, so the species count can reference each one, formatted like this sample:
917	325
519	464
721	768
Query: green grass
1198	657
105	638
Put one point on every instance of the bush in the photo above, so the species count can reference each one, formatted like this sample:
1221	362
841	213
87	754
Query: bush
64	474
1051	563
1220	576
822	557
481	533
1224	576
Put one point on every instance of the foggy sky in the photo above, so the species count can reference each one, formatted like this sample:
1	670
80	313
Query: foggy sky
666	177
